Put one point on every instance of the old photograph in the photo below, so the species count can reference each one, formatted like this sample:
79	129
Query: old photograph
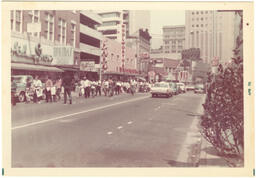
125	88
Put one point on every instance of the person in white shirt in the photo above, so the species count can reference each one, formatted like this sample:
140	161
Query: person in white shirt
37	85
87	88
106	87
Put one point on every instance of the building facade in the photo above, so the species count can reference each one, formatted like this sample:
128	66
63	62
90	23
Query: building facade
116	66
44	40
90	44
212	32
112	22
173	39
140	41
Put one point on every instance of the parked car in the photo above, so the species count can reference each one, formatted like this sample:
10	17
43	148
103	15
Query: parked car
21	87
21	84
161	89
190	87
182	87
174	88
199	88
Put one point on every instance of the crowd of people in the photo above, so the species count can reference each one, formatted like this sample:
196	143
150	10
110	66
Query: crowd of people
53	89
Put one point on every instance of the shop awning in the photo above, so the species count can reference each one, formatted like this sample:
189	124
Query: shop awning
20	66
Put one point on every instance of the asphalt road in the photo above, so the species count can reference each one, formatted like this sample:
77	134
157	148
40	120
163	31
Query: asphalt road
122	131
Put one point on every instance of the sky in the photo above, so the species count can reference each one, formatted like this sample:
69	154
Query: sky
160	19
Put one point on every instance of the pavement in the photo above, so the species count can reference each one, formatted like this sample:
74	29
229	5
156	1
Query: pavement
119	131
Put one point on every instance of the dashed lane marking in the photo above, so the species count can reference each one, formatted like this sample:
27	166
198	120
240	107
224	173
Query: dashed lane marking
120	127
81	112
110	133
130	122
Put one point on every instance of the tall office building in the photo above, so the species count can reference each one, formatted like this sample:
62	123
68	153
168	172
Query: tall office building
112	22
173	39
212	32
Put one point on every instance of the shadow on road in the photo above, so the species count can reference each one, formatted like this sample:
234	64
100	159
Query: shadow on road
178	164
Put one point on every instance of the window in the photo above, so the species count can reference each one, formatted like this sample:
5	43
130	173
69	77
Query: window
166	47
34	18
197	12
167	36
192	25
16	21
197	25
62	31
193	13
109	23
202	12
173	51
202	25
206	12
110	15
73	35
202	18
49	21
166	42
166	51
206	25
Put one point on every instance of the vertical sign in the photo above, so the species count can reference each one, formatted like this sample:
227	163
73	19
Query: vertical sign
123	46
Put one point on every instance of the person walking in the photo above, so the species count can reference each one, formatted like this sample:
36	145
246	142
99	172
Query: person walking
37	85
58	88
67	84
87	88
98	88
48	86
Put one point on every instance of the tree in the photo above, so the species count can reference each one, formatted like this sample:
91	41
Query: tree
223	121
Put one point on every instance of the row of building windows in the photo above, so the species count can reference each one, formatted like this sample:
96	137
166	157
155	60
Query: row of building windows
106	15
49	21
173	41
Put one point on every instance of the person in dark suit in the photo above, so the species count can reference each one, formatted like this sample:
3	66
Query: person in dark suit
67	84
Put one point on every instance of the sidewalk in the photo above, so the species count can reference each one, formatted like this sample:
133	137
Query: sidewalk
209	156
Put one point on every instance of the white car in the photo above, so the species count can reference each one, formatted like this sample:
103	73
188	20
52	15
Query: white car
181	87
161	89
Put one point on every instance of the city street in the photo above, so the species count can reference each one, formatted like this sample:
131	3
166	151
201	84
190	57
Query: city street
122	131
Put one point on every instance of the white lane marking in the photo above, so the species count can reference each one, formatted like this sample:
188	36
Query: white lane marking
157	108
120	127
110	133
60	117
130	122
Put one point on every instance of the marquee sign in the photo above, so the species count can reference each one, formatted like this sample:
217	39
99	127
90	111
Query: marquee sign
123	45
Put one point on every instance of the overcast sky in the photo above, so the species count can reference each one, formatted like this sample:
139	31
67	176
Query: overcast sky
163	18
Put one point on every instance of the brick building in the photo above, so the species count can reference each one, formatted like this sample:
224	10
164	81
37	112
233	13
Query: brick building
44	41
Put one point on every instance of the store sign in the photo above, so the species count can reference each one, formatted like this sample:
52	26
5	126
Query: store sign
63	55
123	45
88	66
31	52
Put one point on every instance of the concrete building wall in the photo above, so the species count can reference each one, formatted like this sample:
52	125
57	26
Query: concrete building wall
212	32
173	39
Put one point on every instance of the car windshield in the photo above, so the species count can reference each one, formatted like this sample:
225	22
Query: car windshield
199	86
162	85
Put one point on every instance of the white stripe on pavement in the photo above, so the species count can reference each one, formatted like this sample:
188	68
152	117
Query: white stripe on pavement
90	110
110	133
130	122
120	127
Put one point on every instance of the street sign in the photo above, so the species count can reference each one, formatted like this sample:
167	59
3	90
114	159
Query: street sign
87	66
215	61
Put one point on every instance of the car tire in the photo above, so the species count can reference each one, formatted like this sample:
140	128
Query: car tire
21	97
